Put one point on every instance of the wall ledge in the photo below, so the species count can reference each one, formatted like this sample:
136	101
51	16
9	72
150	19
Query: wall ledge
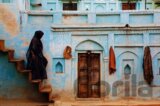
106	27
88	12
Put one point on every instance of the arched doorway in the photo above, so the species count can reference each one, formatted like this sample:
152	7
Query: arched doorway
89	69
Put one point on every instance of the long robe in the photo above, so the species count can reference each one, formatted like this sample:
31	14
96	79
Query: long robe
36	62
112	61
147	66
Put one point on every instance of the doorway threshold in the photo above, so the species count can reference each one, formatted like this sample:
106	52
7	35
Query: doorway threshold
89	99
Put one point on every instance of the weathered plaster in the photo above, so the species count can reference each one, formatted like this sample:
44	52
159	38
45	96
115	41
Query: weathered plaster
85	30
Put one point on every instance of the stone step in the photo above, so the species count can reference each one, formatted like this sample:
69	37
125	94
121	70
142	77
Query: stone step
25	71
5	50
20	66
2	44
45	88
11	55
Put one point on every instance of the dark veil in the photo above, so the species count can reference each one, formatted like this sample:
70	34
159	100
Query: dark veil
36	62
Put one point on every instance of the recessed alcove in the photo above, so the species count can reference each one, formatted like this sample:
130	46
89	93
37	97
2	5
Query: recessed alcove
59	68
58	65
127	70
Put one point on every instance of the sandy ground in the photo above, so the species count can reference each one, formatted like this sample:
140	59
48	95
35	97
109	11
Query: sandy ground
122	102
23	103
82	103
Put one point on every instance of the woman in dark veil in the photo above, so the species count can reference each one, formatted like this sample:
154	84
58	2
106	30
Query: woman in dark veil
36	62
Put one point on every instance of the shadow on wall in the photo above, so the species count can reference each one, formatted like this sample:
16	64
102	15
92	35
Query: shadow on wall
15	85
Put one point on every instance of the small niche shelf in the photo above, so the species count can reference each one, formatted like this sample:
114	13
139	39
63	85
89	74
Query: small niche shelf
59	68
127	70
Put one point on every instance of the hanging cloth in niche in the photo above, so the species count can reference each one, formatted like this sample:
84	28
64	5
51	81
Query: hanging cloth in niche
67	52
112	61
147	66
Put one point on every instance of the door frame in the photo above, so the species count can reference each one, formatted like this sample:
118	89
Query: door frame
76	74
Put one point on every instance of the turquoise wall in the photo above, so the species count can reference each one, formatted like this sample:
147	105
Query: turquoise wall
89	5
15	85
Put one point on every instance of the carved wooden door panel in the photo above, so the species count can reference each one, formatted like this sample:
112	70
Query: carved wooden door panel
94	75
82	76
88	75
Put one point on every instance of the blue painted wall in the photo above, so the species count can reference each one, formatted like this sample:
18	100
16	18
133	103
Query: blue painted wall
89	5
15	85
86	30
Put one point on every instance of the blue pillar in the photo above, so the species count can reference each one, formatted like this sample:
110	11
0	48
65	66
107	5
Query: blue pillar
111	40
146	38
125	18
92	18
57	18
156	18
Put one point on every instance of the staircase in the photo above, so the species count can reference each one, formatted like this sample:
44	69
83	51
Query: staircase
20	66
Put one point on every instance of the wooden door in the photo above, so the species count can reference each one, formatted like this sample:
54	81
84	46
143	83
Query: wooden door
88	75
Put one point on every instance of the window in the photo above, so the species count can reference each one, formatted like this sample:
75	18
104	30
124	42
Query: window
70	6
157	5
128	6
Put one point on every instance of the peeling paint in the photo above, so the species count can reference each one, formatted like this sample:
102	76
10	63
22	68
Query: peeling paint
123	39
8	19
25	44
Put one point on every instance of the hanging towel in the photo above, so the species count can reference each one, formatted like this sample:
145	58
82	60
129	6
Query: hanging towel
147	66
112	61
67	52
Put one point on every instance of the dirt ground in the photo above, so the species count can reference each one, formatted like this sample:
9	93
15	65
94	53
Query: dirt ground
22	103
122	102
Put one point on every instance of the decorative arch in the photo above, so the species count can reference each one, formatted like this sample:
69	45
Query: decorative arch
128	52
156	55
89	45
128	62
99	8
156	69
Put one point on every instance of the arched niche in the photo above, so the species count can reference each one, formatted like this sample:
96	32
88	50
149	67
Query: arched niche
59	67
89	45
128	64
127	70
